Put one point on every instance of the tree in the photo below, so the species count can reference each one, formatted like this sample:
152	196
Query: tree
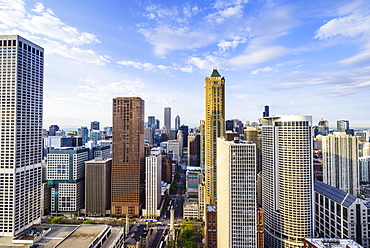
57	220
88	222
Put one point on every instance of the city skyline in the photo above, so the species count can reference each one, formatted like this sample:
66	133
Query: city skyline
312	61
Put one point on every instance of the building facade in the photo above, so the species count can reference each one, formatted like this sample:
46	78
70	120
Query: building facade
287	198
153	174
65	175
21	80
236	194
128	166
167	118
98	186
340	162
214	128
341	215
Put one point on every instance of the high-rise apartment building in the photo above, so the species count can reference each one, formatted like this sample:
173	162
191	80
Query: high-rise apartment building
287	197
323	127
128	169
236	194
340	162
177	122
21	82
95	125
167	118
214	128
153	175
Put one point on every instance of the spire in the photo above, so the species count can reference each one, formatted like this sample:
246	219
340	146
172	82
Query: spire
215	73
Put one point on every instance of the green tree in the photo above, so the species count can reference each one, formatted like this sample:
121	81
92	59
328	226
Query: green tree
88	222
57	220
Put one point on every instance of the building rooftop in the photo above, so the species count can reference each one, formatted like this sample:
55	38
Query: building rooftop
337	195
215	73
332	243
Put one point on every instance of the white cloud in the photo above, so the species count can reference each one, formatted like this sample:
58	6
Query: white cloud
348	26
254	55
226	45
152	67
208	62
166	39
45	28
105	92
359	59
222	15
242	96
263	70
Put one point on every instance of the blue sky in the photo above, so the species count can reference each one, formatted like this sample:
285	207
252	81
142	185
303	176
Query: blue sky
299	57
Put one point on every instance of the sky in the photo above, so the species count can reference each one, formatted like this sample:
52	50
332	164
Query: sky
299	57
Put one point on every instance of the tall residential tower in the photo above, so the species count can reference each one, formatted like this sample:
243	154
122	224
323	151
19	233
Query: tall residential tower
214	128
21	81
287	198
236	194
128	156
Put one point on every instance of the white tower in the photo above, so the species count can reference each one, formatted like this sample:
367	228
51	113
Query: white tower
153	165
21	81
287	196
236	194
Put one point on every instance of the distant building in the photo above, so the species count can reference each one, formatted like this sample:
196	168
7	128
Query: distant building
95	125
177	122
151	122
53	129
229	125
266	112
167	169
84	133
323	127
98	186
364	163
340	162
211	226
95	135
65	175
194	150
185	132
339	214
167	118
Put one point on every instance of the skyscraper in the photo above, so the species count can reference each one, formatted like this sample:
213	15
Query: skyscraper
128	156
177	122
340	162
153	175
151	122
95	125
236	194
287	196
53	129
22	72
266	113
84	133
214	128
167	118
342	125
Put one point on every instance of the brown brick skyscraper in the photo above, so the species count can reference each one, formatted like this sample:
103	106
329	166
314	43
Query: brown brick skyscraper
128	156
